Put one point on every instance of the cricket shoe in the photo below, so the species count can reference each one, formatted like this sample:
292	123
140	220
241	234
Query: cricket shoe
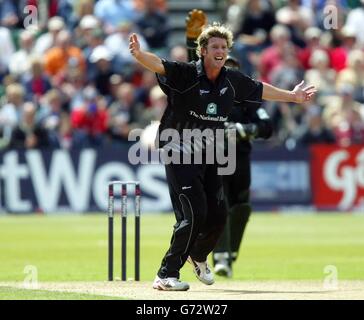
170	284
202	271
222	267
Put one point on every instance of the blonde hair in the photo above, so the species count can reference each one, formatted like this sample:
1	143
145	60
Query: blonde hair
15	89
355	56
216	30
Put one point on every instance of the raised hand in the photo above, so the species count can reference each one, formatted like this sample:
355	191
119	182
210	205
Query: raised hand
302	94
195	22
134	45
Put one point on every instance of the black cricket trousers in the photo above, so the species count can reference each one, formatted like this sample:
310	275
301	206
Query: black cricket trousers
197	197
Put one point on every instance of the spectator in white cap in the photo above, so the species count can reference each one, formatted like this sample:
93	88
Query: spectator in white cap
48	40
87	25
355	20
102	57
100	53
89	22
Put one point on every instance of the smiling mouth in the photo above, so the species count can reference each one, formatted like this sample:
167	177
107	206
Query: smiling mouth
219	58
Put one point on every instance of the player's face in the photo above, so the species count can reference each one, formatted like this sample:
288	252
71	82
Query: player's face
215	53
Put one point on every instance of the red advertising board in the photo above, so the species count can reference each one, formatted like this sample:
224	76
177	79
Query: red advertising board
337	176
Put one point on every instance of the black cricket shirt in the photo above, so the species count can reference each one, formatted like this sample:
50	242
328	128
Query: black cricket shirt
196	102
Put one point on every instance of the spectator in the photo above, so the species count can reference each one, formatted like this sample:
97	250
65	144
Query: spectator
252	36
63	137
343	116
8	14
354	74
48	40
57	59
234	14
116	80
90	41
123	113
85	31
143	91
118	44
153	25
288	72
20	60
28	133
111	13
297	18
272	56
338	55
83	7
50	110
72	88
158	102
321	75
178	53
355	21
102	58
140	5
66	10
312	38
6	50
36	83
313	130
151	117
10	112
89	122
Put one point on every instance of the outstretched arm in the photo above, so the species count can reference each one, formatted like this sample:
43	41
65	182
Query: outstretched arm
149	60
298	95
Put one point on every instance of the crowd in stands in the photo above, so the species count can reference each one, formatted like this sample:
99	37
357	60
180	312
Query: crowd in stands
67	79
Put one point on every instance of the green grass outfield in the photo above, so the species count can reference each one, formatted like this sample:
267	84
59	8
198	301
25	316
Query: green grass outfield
276	247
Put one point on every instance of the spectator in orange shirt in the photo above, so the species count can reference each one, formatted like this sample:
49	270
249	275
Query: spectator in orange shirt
64	54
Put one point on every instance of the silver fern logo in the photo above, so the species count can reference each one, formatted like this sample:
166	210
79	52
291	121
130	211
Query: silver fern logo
223	90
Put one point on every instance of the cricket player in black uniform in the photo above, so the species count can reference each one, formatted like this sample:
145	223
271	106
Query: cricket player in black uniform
201	96
250	122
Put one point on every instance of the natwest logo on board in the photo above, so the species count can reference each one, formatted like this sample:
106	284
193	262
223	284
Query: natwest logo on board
60	180
338	177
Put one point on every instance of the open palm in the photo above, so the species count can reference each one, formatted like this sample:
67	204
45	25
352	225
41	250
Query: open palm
302	93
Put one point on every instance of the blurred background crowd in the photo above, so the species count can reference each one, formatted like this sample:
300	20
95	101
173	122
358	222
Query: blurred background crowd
68	80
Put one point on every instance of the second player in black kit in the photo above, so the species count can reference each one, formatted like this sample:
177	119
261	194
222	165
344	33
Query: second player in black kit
251	122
